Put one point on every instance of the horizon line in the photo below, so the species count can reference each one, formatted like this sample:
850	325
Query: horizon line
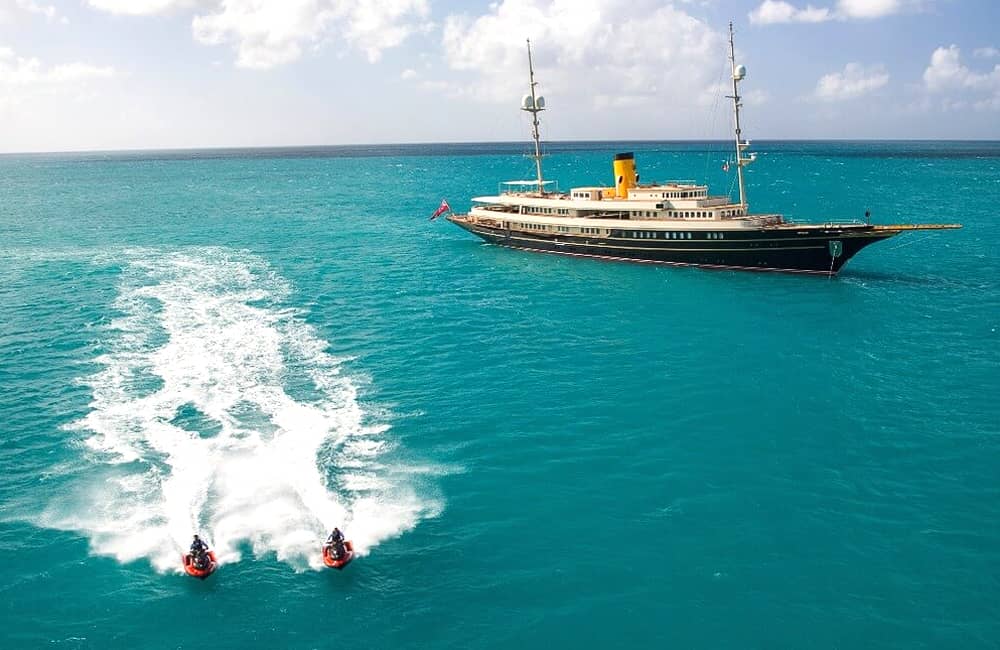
233	148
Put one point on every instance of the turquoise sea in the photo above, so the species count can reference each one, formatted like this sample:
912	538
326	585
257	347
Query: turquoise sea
529	451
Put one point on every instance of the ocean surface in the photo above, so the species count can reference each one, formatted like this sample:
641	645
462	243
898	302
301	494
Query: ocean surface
528	451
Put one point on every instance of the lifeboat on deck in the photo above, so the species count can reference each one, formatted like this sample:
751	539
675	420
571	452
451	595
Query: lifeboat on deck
340	561
201	572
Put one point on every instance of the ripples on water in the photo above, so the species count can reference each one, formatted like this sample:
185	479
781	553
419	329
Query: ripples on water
530	449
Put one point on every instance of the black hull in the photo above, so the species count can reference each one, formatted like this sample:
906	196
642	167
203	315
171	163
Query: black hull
821	250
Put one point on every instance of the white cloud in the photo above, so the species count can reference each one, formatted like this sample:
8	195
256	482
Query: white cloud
269	33
376	25
10	9
33	7
868	8
946	70
778	11
946	74
37	100
598	52
986	52
409	73
144	7
265	34
856	80
16	71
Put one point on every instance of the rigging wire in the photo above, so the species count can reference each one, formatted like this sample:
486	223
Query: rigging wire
712	122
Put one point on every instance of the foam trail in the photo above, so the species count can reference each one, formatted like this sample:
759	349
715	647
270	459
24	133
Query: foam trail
217	410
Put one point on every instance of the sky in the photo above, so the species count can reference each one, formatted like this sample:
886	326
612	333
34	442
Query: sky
146	74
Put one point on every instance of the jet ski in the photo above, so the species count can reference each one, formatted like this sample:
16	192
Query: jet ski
200	565
338	560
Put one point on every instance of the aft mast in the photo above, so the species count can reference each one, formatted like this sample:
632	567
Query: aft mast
739	72
534	105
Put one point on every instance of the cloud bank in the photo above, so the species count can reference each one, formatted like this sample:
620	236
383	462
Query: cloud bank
18	71
610	52
778	11
948	76
269	33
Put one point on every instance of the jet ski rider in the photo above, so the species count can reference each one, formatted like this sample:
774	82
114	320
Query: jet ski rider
199	552
335	542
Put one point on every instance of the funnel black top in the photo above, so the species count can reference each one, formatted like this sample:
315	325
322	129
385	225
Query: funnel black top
624	156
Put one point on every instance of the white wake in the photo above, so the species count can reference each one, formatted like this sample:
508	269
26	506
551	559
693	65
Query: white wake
217	410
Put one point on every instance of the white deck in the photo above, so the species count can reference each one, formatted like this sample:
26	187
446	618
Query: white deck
729	223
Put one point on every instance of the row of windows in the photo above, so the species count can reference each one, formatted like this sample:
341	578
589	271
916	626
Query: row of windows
673	214
699	214
633	234
650	234
683	195
656	234
544	210
692	214
544	227
694	194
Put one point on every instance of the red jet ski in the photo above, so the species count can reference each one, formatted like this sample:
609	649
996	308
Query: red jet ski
200	567
338	561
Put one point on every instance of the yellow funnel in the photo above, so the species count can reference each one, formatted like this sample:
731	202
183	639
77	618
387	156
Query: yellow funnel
624	174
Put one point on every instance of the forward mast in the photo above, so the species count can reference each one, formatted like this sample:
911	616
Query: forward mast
534	104
739	72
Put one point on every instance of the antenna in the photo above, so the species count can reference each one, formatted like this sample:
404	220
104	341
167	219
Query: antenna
535	105
739	72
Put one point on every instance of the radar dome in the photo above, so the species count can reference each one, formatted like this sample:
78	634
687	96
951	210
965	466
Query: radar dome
740	72
540	102
526	102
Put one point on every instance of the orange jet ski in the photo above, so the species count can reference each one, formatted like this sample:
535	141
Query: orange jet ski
338	556
200	562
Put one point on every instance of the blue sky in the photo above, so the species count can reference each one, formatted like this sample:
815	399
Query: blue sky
125	74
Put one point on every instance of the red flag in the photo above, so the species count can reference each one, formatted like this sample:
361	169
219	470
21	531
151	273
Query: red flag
444	207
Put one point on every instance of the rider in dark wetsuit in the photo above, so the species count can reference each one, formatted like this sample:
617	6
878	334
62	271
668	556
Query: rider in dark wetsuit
335	542
199	553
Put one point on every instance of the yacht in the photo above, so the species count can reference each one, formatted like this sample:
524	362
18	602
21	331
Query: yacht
674	223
